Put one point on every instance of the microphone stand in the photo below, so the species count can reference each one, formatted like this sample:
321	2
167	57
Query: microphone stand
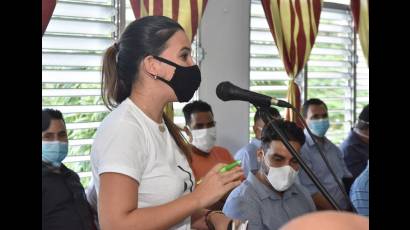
322	189
325	159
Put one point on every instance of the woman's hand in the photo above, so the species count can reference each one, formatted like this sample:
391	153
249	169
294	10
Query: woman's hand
215	185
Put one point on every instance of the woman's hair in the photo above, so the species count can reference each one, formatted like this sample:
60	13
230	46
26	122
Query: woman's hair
141	38
120	67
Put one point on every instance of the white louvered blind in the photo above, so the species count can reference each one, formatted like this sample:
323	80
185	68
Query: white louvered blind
330	70
73	44
267	73
362	80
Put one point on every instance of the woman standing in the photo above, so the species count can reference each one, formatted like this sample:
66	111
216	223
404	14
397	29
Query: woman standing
139	157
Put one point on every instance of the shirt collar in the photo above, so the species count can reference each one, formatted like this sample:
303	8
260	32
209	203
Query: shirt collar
256	142
310	142
265	192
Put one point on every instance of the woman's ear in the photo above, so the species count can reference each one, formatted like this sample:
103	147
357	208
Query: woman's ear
150	66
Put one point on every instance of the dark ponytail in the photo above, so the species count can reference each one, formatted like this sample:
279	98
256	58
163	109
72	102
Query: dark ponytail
113	89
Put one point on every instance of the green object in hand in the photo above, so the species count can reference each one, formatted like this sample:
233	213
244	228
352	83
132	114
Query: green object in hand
230	166
226	168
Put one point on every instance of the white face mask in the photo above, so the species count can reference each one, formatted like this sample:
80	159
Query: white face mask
204	139
281	178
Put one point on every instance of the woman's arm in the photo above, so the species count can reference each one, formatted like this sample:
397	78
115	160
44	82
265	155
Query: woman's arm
118	201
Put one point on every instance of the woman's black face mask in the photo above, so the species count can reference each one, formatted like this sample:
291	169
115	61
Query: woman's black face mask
185	80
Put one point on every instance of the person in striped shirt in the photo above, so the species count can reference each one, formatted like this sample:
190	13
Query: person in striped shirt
359	193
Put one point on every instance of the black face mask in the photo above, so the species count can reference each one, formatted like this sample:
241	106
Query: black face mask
185	80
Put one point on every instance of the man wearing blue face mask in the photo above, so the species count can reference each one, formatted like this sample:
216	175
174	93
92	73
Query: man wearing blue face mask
317	118
64	202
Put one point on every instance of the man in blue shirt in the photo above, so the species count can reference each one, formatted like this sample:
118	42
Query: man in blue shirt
359	193
269	198
356	147
247	154
316	116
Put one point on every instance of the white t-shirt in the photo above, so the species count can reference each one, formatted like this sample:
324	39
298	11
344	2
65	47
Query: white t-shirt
131	143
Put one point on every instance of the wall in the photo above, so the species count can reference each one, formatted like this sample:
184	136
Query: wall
224	35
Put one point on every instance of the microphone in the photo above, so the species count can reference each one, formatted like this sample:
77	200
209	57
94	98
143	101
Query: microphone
226	91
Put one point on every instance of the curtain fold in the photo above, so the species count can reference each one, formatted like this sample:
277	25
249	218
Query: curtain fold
360	11
294	26
47	9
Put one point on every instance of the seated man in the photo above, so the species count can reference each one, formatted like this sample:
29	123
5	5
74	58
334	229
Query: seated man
359	193
356	147
200	127
316	116
269	198
64	201
247	154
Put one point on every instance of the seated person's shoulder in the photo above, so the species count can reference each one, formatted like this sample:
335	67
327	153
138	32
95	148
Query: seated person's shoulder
243	204
222	151
243	193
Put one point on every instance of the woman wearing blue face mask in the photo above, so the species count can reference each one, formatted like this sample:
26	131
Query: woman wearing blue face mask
64	202
139	159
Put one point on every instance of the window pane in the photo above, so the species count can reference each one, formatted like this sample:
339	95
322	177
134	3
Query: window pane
329	69
76	37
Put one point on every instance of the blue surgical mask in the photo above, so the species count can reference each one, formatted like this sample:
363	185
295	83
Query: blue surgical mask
319	127
54	152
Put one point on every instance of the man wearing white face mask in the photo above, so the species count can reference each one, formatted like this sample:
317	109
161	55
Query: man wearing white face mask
200	127
269	198
247	154
317	118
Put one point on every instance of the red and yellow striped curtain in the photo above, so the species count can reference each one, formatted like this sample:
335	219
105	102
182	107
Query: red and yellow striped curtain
187	13
294	26
47	9
360	11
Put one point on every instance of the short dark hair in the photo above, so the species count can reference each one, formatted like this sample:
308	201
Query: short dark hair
194	107
364	115
363	121
272	111
290	130
312	101
48	115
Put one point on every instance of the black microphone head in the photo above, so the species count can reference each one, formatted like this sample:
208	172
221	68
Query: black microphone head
227	91
223	90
